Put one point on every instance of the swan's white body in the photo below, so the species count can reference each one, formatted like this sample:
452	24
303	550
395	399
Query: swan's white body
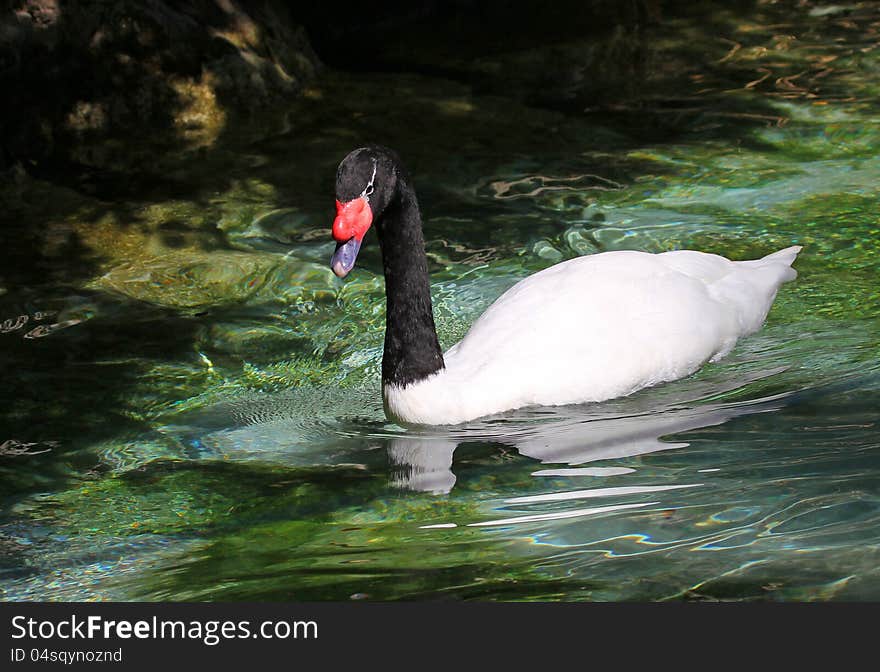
595	328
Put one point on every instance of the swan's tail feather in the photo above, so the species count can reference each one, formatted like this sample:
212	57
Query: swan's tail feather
787	256
753	286
780	263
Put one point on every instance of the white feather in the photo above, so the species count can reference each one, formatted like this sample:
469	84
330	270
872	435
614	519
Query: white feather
594	328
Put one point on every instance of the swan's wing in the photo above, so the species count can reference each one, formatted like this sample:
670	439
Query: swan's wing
602	326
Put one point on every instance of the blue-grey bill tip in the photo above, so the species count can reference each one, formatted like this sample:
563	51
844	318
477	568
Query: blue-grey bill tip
344	257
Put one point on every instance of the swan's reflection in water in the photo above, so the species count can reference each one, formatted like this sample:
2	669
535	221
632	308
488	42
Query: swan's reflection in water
577	436
424	465
301	428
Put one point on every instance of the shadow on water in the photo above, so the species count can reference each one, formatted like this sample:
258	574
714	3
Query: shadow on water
67	368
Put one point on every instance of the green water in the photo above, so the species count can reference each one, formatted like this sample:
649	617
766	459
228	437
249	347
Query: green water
190	399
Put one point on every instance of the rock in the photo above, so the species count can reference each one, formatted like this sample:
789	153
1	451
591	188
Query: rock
188	280
76	72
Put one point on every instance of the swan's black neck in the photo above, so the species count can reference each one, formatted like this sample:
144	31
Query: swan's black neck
412	351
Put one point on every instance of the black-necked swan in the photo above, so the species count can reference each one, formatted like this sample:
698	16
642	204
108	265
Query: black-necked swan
585	330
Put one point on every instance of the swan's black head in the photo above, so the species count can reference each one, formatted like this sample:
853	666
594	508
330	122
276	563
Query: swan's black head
366	183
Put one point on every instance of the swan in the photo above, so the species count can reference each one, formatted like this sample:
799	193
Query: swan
588	329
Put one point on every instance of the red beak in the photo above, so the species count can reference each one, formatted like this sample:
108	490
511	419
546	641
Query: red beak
353	220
